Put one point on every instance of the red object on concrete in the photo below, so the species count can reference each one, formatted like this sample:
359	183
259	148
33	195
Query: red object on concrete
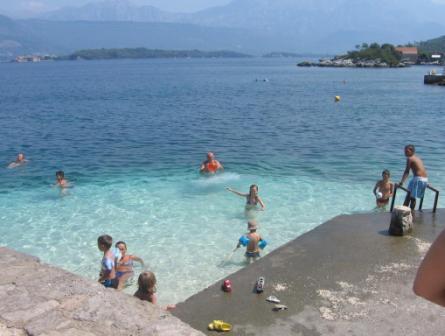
227	286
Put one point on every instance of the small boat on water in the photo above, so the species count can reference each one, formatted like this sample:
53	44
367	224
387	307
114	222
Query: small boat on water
434	78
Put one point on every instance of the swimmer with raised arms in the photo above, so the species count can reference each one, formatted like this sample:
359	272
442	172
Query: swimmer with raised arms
252	198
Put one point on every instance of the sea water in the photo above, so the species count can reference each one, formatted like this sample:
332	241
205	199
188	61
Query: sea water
130	136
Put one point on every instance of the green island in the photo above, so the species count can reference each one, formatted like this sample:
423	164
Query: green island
142	53
365	56
387	55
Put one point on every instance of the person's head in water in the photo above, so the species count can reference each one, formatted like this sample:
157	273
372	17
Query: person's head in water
251	226
60	175
104	242
210	156
410	150
122	247
20	158
147	283
253	190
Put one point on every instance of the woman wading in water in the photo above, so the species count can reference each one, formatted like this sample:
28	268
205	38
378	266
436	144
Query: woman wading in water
252	198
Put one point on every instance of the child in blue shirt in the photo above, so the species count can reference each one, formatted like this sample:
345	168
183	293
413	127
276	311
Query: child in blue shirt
107	276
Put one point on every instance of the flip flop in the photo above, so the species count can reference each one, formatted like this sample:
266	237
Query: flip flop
273	299
279	307
219	325
260	285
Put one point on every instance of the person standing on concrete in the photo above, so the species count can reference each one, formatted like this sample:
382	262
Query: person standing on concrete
418	183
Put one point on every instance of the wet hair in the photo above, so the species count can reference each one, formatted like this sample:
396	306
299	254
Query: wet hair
386	172
120	242
60	173
253	186
146	286
252	225
105	240
411	148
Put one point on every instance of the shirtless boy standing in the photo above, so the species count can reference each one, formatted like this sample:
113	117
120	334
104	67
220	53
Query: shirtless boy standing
419	181
252	248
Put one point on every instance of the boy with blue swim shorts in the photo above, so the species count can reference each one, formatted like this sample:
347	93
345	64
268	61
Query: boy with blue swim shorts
419	182
107	276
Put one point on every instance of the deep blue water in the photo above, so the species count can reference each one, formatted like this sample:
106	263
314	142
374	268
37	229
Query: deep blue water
131	135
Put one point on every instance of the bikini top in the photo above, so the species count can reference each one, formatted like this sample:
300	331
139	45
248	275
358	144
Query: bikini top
251	201
128	263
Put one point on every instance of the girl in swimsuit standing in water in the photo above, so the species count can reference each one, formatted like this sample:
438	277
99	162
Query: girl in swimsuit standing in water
124	266
252	198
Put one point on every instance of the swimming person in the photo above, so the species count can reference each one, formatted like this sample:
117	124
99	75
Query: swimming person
124	265
147	289
252	198
107	276
211	165
419	181
383	189
19	161
61	181
252	247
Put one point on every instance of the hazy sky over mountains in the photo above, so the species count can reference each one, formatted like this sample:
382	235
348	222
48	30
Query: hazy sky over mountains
26	8
29	8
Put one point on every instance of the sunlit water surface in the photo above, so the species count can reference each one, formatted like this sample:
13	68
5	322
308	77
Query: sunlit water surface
130	135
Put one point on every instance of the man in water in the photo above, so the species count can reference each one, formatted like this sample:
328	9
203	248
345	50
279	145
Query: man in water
418	183
211	165
19	161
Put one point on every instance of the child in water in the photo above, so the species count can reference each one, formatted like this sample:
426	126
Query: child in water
124	265
383	189
252	248
60	180
147	289
252	198
107	276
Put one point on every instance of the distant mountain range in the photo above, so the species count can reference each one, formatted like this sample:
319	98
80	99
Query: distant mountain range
112	10
250	26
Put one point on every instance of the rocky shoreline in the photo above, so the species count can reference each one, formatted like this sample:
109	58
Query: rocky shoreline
351	63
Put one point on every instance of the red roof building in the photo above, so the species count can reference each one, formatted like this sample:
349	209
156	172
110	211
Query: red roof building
408	53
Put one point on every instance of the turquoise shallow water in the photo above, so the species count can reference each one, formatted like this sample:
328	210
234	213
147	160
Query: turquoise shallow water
131	135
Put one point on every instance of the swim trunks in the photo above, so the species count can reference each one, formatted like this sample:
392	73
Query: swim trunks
252	254
417	186
110	283
383	201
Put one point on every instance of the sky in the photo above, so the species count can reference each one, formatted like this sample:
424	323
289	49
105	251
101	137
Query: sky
29	8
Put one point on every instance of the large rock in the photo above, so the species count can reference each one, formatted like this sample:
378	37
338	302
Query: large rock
41	300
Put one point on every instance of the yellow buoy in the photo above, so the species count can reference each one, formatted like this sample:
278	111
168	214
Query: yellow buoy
337	98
